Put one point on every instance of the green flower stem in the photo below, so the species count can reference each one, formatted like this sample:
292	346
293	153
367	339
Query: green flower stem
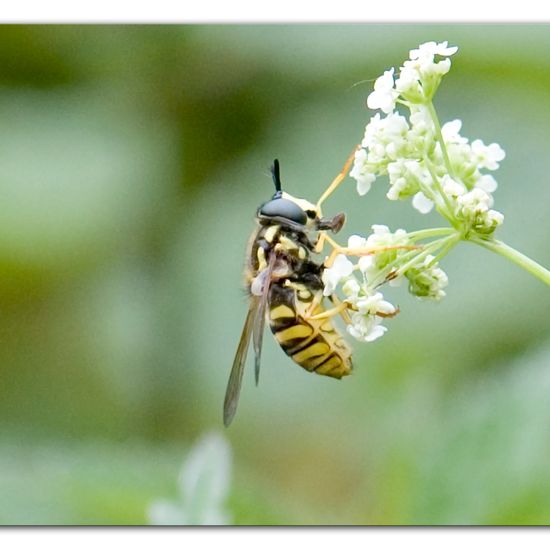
427	162
451	243
439	136
429	249
514	256
434	196
430	233
449	207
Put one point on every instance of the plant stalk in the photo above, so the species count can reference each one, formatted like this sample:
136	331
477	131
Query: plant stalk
515	256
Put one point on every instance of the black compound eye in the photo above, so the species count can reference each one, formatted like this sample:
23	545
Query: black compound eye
283	208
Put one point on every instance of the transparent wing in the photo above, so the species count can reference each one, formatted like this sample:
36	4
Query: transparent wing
235	378
259	323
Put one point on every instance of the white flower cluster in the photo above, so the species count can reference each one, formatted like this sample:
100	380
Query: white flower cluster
373	265
435	166
470	190
378	258
418	78
365	305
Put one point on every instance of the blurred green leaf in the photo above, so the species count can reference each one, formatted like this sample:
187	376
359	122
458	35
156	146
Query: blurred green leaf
203	486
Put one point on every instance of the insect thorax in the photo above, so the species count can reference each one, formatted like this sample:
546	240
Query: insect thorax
293	249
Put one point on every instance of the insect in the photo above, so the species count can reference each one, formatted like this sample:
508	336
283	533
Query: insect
285	285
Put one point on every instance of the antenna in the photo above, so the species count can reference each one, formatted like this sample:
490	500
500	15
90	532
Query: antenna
275	172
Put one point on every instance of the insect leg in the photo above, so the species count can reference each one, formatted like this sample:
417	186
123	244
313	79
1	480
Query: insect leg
324	238
388	315
344	313
330	312
339	178
317	299
342	308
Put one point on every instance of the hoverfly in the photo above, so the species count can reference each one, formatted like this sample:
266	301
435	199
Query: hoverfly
285	285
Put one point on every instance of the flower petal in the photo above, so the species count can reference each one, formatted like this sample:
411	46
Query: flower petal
422	203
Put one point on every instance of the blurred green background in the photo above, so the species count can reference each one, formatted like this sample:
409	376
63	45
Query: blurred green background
132	159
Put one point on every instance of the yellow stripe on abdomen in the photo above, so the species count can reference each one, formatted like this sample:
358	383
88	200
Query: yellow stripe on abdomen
314	344
281	311
314	350
293	332
330	367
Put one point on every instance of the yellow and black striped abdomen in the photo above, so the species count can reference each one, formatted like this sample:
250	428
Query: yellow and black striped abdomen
314	344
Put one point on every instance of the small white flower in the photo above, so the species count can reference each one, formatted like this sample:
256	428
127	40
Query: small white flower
494	218
353	291
395	125
361	172
429	49
489	221
427	281
406	177
422	203
359	159
451	187
420	76
364	183
474	209
474	202
351	288
436	69
379	229
367	266
366	328
400	183
356	241
382	236
332	276
420	119
487	156
422	132
371	305
408	82
385	138
451	132
383	97
419	171
487	183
